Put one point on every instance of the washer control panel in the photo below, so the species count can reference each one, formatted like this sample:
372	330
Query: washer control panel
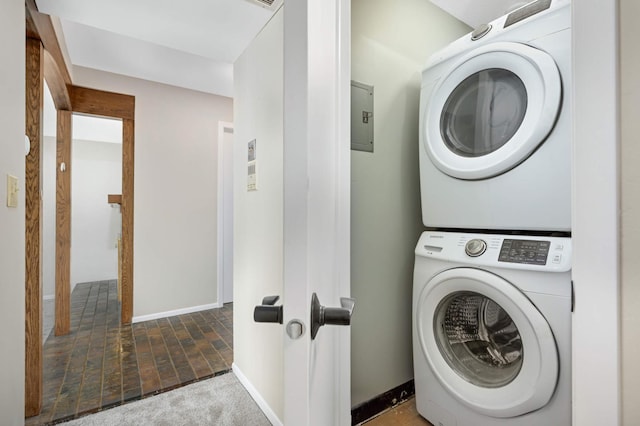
534	252
498	250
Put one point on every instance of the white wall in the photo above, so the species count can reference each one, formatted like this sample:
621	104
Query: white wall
95	225
175	234
630	155
258	220
97	171
12	160
390	43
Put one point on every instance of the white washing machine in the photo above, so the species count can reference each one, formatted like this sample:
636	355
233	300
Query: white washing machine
495	125
492	329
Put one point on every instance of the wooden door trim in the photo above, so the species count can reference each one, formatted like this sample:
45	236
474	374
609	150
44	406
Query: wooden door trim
128	161
43	61
99	102
63	223
116	105
57	86
34	87
39	29
40	26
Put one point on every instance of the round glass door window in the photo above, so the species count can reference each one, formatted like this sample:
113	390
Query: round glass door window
478	339
490	110
483	112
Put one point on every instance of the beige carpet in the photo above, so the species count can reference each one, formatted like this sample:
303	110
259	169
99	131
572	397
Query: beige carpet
221	400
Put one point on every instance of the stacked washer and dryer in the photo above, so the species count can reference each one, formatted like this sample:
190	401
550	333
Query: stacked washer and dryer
492	295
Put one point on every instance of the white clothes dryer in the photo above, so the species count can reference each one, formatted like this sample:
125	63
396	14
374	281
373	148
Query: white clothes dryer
492	329
495	125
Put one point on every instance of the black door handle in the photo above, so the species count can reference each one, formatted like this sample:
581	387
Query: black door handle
267	311
321	315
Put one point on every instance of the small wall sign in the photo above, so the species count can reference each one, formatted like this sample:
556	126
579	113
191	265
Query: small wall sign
251	167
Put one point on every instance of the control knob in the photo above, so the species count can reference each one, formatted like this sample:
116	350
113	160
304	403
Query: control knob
480	32
475	247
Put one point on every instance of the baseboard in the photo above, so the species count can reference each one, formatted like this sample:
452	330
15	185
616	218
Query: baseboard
266	409
380	403
182	311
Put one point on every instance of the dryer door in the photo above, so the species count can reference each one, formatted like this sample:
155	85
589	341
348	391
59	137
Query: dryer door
491	110
487	343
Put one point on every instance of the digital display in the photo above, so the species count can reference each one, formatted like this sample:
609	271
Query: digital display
524	251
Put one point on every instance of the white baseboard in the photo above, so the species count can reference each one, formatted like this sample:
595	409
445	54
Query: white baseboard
175	312
266	409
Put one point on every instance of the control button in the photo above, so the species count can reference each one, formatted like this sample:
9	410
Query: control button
480	32
475	247
559	247
557	258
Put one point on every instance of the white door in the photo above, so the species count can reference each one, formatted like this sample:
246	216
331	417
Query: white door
316	207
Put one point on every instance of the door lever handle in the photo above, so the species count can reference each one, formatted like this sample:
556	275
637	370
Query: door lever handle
321	315
267	311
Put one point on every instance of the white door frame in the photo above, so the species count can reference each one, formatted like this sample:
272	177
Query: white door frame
595	218
317	55
223	127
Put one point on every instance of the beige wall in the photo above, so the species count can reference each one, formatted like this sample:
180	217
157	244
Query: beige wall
630	220
175	227
258	215
391	41
12	161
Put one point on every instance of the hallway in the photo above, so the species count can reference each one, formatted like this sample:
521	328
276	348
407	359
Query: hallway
101	365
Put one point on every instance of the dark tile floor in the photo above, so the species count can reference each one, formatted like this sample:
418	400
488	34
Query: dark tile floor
101	364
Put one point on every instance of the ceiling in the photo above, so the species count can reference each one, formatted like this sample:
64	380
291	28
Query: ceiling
191	44
476	12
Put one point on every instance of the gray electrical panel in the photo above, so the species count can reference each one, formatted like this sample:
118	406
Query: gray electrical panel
361	117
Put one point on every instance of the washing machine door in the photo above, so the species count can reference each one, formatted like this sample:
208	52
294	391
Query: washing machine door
491	110
487	344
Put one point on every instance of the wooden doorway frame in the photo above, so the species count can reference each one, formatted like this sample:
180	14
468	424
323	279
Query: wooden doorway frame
115	105
47	63
33	226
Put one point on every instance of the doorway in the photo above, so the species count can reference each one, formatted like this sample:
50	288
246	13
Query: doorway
85	101
225	212
96	221
96	225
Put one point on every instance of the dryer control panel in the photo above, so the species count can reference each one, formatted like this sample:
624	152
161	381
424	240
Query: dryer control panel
498	250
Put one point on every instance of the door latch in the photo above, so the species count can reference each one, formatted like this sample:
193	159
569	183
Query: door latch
268	312
321	315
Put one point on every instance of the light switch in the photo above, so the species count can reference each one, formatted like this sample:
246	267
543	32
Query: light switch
12	191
